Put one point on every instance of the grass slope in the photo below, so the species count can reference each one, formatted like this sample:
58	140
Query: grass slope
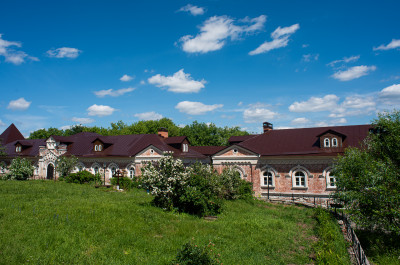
55	222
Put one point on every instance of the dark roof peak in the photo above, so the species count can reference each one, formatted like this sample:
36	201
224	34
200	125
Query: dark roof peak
11	134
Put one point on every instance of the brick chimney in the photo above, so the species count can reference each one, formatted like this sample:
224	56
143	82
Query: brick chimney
163	132
267	127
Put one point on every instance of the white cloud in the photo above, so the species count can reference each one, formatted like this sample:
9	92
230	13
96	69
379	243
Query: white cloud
178	82
64	52
100	110
280	38
392	45
19	104
66	127
390	95
194	10
10	54
149	116
354	72
345	60
2	123
113	93
300	121
142	82
196	108
126	78
315	104
310	57
82	120
354	106
257	113
216	30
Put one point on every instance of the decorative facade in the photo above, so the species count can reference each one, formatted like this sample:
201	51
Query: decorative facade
277	162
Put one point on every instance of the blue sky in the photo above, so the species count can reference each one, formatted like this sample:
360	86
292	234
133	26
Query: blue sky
233	63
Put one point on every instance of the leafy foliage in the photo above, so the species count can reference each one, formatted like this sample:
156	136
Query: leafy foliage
197	190
20	169
82	177
197	133
125	183
192	254
65	165
2	149
368	180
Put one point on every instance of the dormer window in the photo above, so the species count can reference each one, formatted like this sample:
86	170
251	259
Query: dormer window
334	142
327	142
98	147
185	147
18	149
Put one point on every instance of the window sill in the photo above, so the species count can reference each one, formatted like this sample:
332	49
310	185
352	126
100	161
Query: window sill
299	188
330	188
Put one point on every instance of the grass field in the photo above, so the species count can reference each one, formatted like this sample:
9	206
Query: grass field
54	223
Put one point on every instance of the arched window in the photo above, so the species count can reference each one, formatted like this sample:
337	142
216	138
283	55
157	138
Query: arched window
268	179
100	147
96	170
113	169
299	179
95	148
132	172
327	142
330	181
334	142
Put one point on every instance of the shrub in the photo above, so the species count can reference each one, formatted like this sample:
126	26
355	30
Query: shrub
233	187
82	177
191	254
124	183
20	169
64	165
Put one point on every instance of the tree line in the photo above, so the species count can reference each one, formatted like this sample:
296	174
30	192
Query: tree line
198	133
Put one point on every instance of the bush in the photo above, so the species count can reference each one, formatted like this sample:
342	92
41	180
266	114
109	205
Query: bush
191	254
233	187
82	177
124	183
20	169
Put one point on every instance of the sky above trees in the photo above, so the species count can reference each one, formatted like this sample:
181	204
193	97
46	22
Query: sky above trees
232	63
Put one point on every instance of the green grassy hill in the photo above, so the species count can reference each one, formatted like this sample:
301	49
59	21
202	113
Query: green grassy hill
54	222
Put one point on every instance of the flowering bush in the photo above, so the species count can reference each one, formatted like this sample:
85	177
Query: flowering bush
20	169
165	180
192	254
197	190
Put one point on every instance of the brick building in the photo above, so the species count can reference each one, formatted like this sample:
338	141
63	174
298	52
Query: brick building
284	162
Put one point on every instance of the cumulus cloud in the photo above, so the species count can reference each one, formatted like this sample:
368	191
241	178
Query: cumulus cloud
64	52
394	44
194	10
280	38
344	60
100	110
178	82
113	93
126	78
147	116
354	72
217	29
10	54
390	95
353	106
257	113
196	108
300	121
19	104
82	120
315	104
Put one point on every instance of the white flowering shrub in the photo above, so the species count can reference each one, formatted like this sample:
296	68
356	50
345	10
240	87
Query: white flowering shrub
165	180
20	169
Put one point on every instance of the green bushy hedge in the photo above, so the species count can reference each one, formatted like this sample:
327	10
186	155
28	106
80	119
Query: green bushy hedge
82	177
125	183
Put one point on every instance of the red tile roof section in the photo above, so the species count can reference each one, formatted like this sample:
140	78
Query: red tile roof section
207	150
304	141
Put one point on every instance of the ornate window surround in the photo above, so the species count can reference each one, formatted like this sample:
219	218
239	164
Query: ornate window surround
306	173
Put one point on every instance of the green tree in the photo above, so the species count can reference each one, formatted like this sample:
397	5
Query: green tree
20	169
368	179
45	133
65	165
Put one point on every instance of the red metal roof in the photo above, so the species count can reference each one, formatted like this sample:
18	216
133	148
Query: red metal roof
304	141
207	150
11	134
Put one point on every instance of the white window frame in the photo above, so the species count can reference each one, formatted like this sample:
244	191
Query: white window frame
130	171
235	151
18	149
100	147
327	142
335	142
327	175
306	173
272	184
185	148
110	167
96	148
